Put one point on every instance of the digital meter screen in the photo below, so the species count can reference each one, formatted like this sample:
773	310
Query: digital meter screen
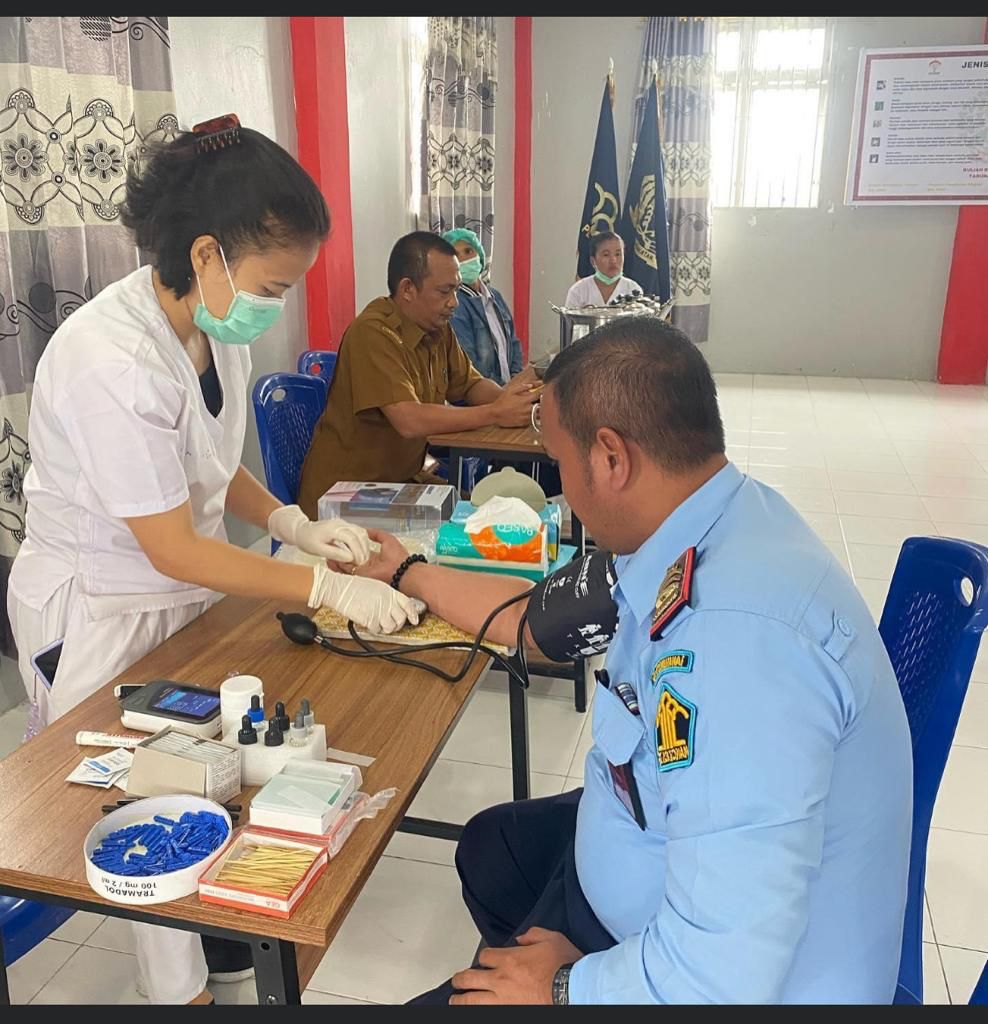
191	703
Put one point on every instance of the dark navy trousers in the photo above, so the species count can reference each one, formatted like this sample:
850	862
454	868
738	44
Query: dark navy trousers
516	863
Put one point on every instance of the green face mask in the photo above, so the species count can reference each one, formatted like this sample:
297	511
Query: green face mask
604	279
470	270
246	319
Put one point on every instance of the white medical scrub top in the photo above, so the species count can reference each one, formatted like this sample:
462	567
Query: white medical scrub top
586	293
119	428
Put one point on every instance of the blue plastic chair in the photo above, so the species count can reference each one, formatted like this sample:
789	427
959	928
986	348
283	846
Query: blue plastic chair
318	362
935	612
24	923
287	407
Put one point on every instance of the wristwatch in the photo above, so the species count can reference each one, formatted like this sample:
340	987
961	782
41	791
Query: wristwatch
560	986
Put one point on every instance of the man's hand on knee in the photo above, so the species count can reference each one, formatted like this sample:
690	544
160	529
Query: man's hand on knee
518	974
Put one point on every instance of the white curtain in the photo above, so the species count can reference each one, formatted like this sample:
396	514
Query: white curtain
80	100
458	126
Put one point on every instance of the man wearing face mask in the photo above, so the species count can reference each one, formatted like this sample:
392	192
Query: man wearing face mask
482	321
136	433
608	281
399	365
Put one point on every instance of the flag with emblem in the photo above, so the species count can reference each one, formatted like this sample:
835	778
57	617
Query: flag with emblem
643	224
602	205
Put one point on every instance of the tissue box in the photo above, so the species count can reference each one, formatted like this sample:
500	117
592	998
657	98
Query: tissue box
551	515
511	550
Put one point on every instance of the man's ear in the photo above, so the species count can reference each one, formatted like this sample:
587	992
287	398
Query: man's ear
616	454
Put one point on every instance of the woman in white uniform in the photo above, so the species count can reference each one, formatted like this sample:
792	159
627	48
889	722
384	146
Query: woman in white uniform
608	280
136	433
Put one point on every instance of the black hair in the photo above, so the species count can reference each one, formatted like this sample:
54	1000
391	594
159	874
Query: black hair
410	258
647	381
250	195
596	241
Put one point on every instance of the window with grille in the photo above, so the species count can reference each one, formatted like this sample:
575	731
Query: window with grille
770	100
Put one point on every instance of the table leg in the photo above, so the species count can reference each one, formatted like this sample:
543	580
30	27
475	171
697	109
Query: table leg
518	715
580	685
4	989
275	972
456	470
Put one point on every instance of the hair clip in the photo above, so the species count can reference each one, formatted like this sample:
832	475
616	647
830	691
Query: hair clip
217	133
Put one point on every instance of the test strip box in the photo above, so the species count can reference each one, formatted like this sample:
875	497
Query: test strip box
228	895
207	768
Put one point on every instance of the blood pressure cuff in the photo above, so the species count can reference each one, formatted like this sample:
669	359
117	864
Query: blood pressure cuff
571	613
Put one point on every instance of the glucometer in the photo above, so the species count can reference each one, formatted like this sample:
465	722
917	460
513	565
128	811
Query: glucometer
186	708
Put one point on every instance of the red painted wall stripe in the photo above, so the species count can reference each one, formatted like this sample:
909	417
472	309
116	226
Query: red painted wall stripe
964	335
523	180
319	72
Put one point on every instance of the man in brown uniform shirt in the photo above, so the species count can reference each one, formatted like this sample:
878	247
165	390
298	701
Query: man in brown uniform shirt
399	363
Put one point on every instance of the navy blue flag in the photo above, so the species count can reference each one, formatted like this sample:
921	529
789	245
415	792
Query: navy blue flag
602	205
644	226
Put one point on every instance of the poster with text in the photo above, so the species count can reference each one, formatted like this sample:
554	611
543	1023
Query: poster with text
920	132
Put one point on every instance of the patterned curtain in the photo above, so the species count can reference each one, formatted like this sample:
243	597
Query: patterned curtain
458	126
683	51
80	99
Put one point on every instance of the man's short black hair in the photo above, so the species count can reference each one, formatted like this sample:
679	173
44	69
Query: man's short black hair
647	381
249	196
596	241
410	258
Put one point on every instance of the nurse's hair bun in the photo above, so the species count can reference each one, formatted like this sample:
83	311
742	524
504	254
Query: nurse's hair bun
224	180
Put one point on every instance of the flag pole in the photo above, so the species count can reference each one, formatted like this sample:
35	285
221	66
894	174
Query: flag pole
610	80
658	97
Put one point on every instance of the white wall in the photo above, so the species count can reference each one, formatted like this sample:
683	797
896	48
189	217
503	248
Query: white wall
377	112
378	91
569	66
243	65
832	290
838	289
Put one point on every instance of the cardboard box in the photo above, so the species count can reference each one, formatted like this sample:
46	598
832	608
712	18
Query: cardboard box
305	796
228	895
208	768
395	507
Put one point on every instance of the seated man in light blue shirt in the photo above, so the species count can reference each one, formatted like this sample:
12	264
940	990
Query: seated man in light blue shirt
743	831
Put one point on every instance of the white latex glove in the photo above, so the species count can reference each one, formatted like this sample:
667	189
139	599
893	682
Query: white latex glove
332	538
370	603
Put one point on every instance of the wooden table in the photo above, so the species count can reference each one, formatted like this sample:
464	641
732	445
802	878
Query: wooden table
399	715
504	444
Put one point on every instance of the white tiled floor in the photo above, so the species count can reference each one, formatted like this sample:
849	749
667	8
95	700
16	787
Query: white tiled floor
868	463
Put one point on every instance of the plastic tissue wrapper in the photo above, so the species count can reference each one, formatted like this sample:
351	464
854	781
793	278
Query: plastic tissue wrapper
501	511
503	536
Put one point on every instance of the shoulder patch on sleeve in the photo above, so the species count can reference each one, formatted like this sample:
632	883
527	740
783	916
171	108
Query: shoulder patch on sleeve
674	592
672	661
389	333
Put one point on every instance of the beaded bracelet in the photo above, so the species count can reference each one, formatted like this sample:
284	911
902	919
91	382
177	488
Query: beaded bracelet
404	567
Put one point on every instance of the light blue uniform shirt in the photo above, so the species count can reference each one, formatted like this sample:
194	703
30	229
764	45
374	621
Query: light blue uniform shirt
774	861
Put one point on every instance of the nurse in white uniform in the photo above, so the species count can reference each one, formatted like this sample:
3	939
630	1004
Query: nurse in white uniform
608	280
136	433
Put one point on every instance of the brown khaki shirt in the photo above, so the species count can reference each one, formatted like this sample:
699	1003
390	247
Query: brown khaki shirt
384	358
